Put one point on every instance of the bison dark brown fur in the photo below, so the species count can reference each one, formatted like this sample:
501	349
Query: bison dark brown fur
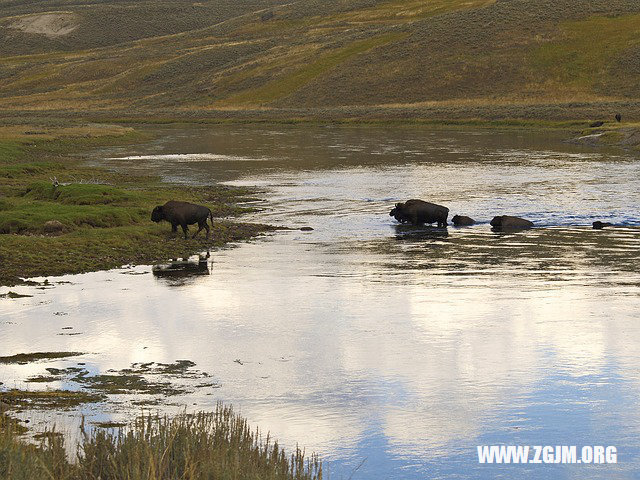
418	212
598	225
183	214
462	221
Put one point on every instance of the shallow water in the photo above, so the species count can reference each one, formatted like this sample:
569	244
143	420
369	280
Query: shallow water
391	351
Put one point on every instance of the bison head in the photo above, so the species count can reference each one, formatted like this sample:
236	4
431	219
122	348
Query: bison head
398	213
496	222
157	215
397	210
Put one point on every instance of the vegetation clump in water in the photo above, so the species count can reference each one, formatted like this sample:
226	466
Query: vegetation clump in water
24	358
58	399
129	380
128	383
11	294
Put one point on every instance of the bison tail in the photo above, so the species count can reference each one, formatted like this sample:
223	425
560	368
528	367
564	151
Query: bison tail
211	217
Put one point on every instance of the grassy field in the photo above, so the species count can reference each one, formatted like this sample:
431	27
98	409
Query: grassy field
349	59
220	444
102	219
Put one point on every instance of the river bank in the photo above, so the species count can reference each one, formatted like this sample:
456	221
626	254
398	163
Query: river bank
60	216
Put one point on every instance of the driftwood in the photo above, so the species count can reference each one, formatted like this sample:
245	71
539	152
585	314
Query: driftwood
92	181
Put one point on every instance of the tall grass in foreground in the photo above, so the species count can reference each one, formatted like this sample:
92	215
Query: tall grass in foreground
217	445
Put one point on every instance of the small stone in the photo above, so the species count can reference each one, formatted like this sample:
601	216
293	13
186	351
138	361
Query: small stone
53	226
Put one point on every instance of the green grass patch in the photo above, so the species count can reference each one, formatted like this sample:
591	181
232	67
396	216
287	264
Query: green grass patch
22	170
9	151
282	87
583	53
79	194
31	216
397	10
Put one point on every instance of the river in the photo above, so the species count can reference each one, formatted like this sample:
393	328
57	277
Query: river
392	351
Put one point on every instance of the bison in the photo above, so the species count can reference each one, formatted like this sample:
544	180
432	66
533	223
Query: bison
418	212
598	225
506	222
462	221
183	214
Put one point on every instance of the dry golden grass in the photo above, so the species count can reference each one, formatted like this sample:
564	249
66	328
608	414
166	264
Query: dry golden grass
219	444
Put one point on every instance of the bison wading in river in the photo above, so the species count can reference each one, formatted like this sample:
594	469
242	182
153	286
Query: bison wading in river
463	221
418	212
507	222
183	214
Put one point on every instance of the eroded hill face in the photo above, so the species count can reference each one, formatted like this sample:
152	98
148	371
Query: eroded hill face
232	55
49	24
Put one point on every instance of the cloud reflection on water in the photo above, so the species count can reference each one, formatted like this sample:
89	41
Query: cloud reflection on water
363	340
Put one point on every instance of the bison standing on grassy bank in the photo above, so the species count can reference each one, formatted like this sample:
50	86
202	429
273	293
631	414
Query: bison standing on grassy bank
183	214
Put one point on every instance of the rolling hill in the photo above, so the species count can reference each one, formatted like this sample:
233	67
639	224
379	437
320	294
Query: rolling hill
547	59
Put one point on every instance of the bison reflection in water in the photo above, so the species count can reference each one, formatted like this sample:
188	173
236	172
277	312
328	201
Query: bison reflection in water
412	234
418	212
183	214
178	272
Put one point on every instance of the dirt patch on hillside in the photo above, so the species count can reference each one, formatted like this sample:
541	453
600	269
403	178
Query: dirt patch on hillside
51	24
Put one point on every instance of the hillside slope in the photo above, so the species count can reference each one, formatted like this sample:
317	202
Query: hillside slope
473	58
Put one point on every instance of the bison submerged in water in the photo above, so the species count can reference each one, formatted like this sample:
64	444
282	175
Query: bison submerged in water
507	222
462	221
418	211
183	214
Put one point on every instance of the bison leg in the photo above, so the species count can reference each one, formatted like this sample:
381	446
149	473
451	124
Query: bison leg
185	229
202	225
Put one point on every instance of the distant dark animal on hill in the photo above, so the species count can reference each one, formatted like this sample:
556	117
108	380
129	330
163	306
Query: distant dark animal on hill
462	221
596	124
598	225
618	117
418	212
183	214
507	222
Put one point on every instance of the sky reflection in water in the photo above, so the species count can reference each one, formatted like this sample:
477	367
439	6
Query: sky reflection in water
367	340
